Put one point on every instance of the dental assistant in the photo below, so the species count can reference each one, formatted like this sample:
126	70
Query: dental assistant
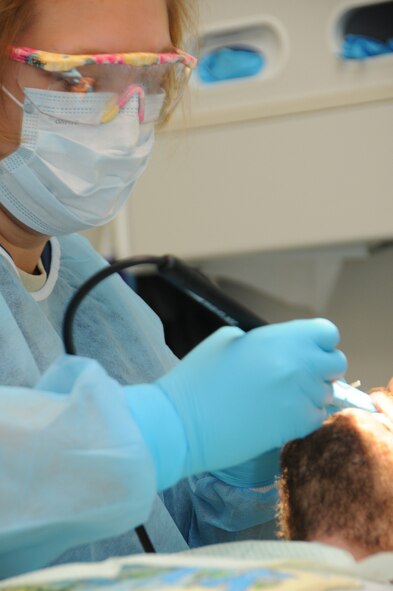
93	446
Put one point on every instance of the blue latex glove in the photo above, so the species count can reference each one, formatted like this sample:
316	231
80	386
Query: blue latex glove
237	396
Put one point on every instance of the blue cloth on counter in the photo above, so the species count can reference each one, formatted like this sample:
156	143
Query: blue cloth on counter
230	63
359	47
76	472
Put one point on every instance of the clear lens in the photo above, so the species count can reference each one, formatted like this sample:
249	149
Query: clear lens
117	85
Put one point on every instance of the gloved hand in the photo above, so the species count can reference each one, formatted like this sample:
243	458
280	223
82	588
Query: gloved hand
238	395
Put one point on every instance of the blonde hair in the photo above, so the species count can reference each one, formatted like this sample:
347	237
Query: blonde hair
17	15
183	28
183	17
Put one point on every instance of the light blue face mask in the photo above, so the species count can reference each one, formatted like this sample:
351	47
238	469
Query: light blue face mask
66	177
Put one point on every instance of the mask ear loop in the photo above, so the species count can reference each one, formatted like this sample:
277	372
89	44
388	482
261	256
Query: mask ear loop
12	97
114	106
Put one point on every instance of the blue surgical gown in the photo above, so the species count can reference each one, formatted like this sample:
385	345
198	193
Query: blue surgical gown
76	473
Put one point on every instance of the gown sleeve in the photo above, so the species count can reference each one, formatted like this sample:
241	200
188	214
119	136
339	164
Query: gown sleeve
74	466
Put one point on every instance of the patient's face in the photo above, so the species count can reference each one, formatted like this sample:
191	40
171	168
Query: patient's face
337	484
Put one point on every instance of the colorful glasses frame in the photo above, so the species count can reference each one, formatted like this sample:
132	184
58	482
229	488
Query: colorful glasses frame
62	62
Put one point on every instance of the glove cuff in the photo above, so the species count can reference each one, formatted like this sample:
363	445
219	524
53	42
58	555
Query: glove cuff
234	480
162	431
261	472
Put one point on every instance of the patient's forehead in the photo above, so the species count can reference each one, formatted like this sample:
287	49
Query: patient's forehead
363	422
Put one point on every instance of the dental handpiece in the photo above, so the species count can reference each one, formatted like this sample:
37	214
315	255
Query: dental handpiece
346	396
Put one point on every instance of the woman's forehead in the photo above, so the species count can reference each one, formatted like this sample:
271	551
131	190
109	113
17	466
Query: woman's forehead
98	26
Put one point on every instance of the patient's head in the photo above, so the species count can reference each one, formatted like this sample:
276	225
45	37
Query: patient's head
337	484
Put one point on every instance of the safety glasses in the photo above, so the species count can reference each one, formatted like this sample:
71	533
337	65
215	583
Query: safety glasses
117	78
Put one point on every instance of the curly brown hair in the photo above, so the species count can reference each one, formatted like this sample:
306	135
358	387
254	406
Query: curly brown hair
338	481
